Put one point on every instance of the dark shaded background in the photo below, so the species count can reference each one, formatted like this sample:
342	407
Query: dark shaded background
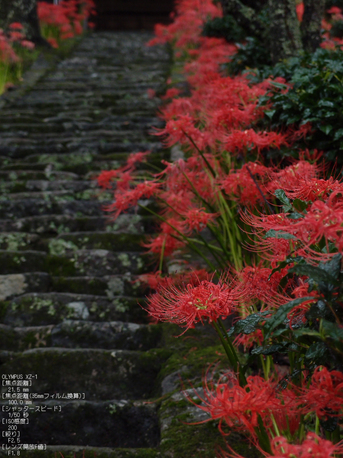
132	14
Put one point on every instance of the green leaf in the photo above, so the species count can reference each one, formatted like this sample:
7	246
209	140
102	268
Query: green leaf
338	134
281	195
300	205
281	315
326	129
318	310
279	235
317	274
326	103
279	85
270	113
269	350
317	352
333	331
295	215
283	264
306	332
332	267
248	325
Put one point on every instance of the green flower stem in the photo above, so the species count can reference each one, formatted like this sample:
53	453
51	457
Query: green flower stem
262	436
162	256
211	248
213	232
229	348
201	154
194	247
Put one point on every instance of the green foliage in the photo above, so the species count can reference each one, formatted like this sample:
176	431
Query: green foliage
251	54
224	27
315	341
315	97
337	29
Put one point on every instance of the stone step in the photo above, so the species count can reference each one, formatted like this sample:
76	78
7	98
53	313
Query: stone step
73	262
38	207
81	334
105	145
94	263
110	128
70	451
56	224
112	423
99	374
94	167
15	284
13	262
37	175
52	308
97	241
50	115
46	185
21	241
50	197
17	241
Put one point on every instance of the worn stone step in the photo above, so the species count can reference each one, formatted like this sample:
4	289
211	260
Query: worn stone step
16	241
80	158
12	262
95	262
15	284
36	207
37	175
21	241
50	197
73	262
113	423
52	308
98	241
81	334
56	224
10	148
99	374
46	185
70	451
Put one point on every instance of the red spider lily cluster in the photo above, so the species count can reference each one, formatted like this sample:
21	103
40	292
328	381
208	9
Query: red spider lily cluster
15	36
13	46
65	20
269	234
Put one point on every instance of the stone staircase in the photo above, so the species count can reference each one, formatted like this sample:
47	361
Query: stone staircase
101	381
69	313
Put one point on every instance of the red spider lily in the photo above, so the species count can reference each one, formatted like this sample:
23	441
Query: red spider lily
197	301
171	93
188	21
163	244
7	54
312	446
106	177
154	280
240	184
325	393
65	18
261	285
197	218
313	189
16	25
239	407
323	220
126	198
300	11
248	340
241	141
